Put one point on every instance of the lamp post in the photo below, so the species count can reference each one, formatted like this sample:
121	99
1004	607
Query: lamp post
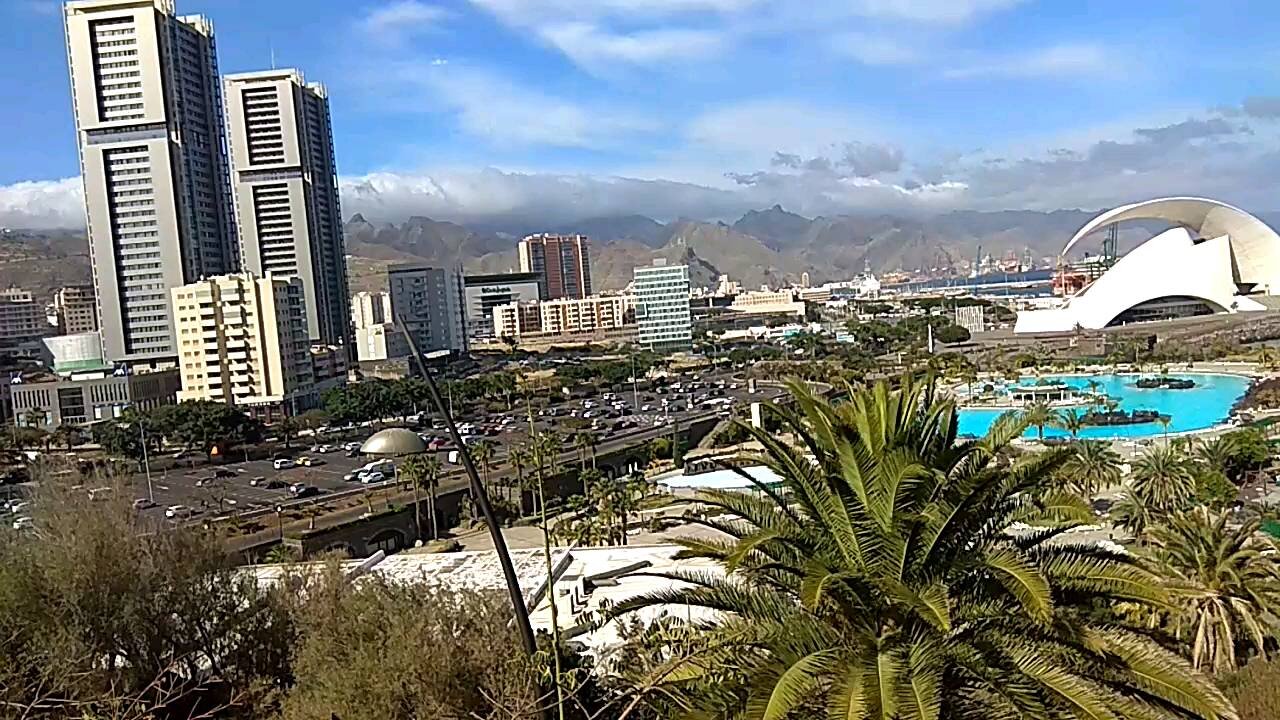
478	493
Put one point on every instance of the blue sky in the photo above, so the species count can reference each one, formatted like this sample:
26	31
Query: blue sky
482	109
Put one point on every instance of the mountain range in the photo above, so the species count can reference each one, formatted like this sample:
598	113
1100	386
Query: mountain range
768	246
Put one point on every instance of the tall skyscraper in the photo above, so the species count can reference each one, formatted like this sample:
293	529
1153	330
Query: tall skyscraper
562	263
148	111
243	342
285	184
430	302
663	317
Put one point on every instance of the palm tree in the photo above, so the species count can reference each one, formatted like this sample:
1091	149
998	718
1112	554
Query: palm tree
288	427
67	434
581	442
1164	480
1164	421
1071	421
1038	415
1216	453
519	458
894	587
1092	466
482	453
422	471
1231	577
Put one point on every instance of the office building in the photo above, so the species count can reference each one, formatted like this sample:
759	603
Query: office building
563	317
21	317
561	262
74	308
47	401
243	341
483	293
429	301
768	302
148	114
663	316
285	184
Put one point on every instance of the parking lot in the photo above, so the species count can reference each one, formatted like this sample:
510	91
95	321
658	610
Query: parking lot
609	415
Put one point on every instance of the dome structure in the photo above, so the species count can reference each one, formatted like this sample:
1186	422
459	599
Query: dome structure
1215	259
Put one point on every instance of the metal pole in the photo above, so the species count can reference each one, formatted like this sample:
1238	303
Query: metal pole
482	500
146	463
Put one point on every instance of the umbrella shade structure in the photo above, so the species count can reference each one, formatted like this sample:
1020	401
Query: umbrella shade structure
394	442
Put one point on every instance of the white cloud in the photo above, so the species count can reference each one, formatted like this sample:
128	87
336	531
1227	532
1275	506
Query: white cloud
492	107
397	20
1067	60
753	131
593	47
874	50
932	11
42	204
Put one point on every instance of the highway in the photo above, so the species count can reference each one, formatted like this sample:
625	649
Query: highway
207	497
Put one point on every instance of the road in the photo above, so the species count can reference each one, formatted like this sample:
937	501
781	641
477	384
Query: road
209	498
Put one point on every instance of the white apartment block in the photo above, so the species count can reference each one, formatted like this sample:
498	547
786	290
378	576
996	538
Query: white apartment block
663	315
781	302
285	183
21	317
563	317
370	308
242	340
148	114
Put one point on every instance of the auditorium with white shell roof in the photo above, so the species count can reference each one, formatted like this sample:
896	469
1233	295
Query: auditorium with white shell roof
1215	259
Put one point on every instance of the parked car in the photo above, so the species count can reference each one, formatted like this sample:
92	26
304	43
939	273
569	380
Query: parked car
368	478
353	452
176	512
258	481
352	476
308	461
301	490
274	484
100	493
283	464
143	504
17	506
351	446
224	473
324	449
23	523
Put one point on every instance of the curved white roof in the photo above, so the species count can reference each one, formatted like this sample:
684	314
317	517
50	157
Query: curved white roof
1255	246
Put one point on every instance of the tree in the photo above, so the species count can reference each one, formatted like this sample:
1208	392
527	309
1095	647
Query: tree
949	334
1091	466
288	427
422	472
1229	578
885	581
483	452
1038	415
68	435
1164	479
1071	421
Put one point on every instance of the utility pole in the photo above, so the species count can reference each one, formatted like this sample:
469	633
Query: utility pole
146	463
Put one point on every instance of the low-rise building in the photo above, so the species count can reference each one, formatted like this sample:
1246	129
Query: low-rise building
243	340
563	317
483	293
762	302
329	366
47	401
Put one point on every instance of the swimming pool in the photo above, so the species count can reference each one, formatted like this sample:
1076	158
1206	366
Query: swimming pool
1207	404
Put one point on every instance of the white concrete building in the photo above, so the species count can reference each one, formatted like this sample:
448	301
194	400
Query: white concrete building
75	309
663	315
377	337
148	114
1216	259
483	293
243	341
763	302
285	184
21	317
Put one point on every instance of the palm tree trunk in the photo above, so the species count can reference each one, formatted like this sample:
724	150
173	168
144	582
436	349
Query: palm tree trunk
435	531
417	510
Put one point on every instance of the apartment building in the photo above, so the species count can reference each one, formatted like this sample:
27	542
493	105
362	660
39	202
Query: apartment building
21	317
285	185
242	340
75	310
563	317
150	133
429	301
663	315
562	264
483	293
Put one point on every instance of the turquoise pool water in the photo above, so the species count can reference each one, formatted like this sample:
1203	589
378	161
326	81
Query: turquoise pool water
1207	404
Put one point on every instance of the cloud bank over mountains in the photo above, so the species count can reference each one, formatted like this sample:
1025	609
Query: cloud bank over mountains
1229	153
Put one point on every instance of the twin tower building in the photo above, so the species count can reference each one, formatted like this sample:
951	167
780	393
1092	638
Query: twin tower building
188	175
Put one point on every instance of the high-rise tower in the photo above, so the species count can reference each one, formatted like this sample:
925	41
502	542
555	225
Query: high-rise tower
285	185
562	262
148	113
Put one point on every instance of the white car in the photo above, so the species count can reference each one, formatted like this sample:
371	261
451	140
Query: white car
368	478
283	464
23	523
175	512
351	446
18	506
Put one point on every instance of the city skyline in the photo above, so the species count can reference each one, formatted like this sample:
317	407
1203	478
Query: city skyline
712	107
